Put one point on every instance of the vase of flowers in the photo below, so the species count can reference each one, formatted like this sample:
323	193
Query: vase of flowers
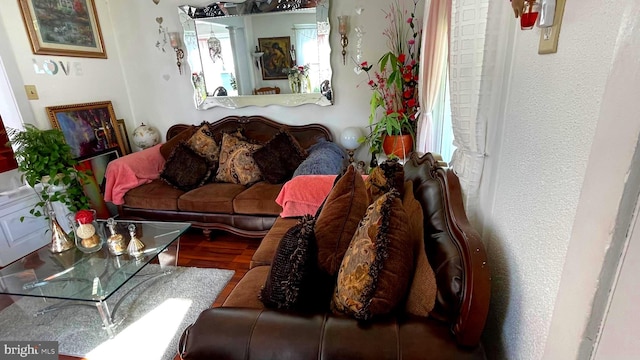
394	81
299	79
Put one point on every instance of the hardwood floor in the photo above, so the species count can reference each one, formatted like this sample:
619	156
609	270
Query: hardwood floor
222	251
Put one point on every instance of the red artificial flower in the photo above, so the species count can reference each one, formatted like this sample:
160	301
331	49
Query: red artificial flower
371	83
411	103
364	64
409	20
411	41
401	58
408	93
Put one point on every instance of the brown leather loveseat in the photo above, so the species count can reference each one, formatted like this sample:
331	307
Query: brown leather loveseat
245	210
243	329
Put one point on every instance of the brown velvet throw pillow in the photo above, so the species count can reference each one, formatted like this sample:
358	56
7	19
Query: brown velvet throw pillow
378	265
279	157
290	276
423	288
337	222
185	169
236	161
389	175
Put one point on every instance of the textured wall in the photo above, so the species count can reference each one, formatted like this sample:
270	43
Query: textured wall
539	165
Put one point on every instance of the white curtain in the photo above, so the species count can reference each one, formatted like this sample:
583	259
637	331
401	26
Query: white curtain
477	56
435	48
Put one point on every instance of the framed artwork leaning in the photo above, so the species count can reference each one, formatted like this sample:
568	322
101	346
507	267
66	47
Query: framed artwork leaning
64	28
91	129
125	137
276	60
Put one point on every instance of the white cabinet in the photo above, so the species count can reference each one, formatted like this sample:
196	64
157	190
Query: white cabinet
17	238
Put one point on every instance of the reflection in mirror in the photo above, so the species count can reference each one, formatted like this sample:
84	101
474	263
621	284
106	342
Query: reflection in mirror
230	56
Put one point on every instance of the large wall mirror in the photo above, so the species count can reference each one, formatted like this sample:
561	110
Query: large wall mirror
258	53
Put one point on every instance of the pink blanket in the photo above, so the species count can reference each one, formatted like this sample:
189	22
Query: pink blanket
304	194
130	171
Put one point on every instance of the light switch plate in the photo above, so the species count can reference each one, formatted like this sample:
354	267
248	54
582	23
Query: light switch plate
32	92
549	36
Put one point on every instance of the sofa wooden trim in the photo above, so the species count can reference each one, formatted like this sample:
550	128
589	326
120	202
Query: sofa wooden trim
255	127
476	282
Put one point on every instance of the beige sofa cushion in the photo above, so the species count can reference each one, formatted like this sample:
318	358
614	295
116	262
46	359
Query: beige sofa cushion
258	199
211	198
156	195
245	294
268	246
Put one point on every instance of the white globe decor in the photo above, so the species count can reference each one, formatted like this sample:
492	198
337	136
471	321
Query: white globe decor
145	136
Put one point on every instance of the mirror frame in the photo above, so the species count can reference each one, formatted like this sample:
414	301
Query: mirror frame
189	14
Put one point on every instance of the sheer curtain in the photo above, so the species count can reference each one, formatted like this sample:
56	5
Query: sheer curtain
435	48
478	54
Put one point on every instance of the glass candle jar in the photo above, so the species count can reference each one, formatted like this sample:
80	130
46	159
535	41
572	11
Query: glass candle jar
85	229
530	15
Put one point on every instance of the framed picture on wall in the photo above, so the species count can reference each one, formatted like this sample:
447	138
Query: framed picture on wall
64	28
90	129
276	60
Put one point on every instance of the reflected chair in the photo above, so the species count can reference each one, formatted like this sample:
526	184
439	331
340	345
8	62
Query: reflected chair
266	91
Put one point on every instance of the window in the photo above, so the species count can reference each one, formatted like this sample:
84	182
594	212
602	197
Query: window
442	127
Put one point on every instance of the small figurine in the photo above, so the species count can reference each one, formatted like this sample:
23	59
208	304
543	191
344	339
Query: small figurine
361	168
135	245
116	243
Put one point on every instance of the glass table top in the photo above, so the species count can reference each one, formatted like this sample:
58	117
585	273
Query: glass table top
74	275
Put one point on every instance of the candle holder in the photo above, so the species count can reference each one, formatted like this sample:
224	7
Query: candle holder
343	29
174	40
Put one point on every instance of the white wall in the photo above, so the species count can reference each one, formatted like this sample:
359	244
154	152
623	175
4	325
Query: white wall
558	169
101	79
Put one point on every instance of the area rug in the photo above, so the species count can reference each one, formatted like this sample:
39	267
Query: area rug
155	316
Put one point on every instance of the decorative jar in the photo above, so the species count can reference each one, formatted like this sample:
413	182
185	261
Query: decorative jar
88	237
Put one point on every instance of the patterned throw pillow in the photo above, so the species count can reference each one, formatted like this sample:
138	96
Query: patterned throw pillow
338	220
292	268
376	269
423	288
279	157
390	174
185	169
236	161
203	143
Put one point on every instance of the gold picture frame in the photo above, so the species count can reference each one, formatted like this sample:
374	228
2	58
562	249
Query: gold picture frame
125	136
90	129
276	60
64	28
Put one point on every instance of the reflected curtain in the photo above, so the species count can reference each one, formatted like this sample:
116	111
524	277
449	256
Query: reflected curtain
434	54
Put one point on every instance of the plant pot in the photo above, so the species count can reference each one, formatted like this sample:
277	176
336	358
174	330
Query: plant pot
397	145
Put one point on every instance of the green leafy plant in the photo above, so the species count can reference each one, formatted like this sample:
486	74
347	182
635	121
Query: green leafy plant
44	157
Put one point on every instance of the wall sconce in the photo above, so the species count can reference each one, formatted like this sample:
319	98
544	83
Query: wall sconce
343	29
257	55
349	138
174	40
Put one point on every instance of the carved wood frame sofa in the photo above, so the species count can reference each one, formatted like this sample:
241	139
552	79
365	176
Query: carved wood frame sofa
247	211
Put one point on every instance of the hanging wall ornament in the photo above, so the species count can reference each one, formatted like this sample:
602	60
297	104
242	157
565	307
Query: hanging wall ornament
215	48
162	35
156	2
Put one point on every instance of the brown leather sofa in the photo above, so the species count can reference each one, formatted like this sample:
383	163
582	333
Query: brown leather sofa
247	211
243	329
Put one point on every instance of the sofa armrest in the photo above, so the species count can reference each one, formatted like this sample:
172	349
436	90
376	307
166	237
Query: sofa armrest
130	171
236	333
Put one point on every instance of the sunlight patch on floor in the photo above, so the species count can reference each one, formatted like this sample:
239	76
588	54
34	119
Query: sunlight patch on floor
146	338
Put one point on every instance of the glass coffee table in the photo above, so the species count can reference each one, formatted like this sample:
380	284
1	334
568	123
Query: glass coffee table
90	279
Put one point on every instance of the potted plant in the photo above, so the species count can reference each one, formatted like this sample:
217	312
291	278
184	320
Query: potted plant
394	84
47	165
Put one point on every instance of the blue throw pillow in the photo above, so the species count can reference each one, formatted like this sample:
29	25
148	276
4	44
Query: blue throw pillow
325	158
